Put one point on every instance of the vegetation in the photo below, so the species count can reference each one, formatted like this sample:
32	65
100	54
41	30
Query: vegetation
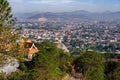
50	63
112	70
5	13
8	35
91	64
76	46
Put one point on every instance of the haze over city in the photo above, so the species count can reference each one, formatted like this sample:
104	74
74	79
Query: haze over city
22	6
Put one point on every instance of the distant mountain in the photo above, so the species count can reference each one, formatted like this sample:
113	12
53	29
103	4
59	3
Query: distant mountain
24	15
79	15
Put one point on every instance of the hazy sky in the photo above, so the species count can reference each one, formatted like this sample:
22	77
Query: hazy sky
64	5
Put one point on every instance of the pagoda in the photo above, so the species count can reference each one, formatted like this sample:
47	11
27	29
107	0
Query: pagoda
32	50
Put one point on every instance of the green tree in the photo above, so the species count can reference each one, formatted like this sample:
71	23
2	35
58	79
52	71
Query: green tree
91	64
6	17
112	70
50	62
8	35
116	73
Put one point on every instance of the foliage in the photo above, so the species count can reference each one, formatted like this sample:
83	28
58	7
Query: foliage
116	73
91	64
111	55
8	35
50	63
112	70
5	13
51	59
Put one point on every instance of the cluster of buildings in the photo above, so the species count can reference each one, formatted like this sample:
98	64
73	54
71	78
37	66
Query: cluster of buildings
74	35
45	35
41	35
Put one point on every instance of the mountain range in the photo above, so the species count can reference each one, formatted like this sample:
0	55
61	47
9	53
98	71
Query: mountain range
74	16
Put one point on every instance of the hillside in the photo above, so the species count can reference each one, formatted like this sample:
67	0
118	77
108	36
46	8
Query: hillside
75	16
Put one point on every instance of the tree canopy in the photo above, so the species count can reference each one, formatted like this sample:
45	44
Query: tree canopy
112	70
8	35
6	16
50	63
91	64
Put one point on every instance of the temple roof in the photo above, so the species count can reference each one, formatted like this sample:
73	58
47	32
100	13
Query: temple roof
33	49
